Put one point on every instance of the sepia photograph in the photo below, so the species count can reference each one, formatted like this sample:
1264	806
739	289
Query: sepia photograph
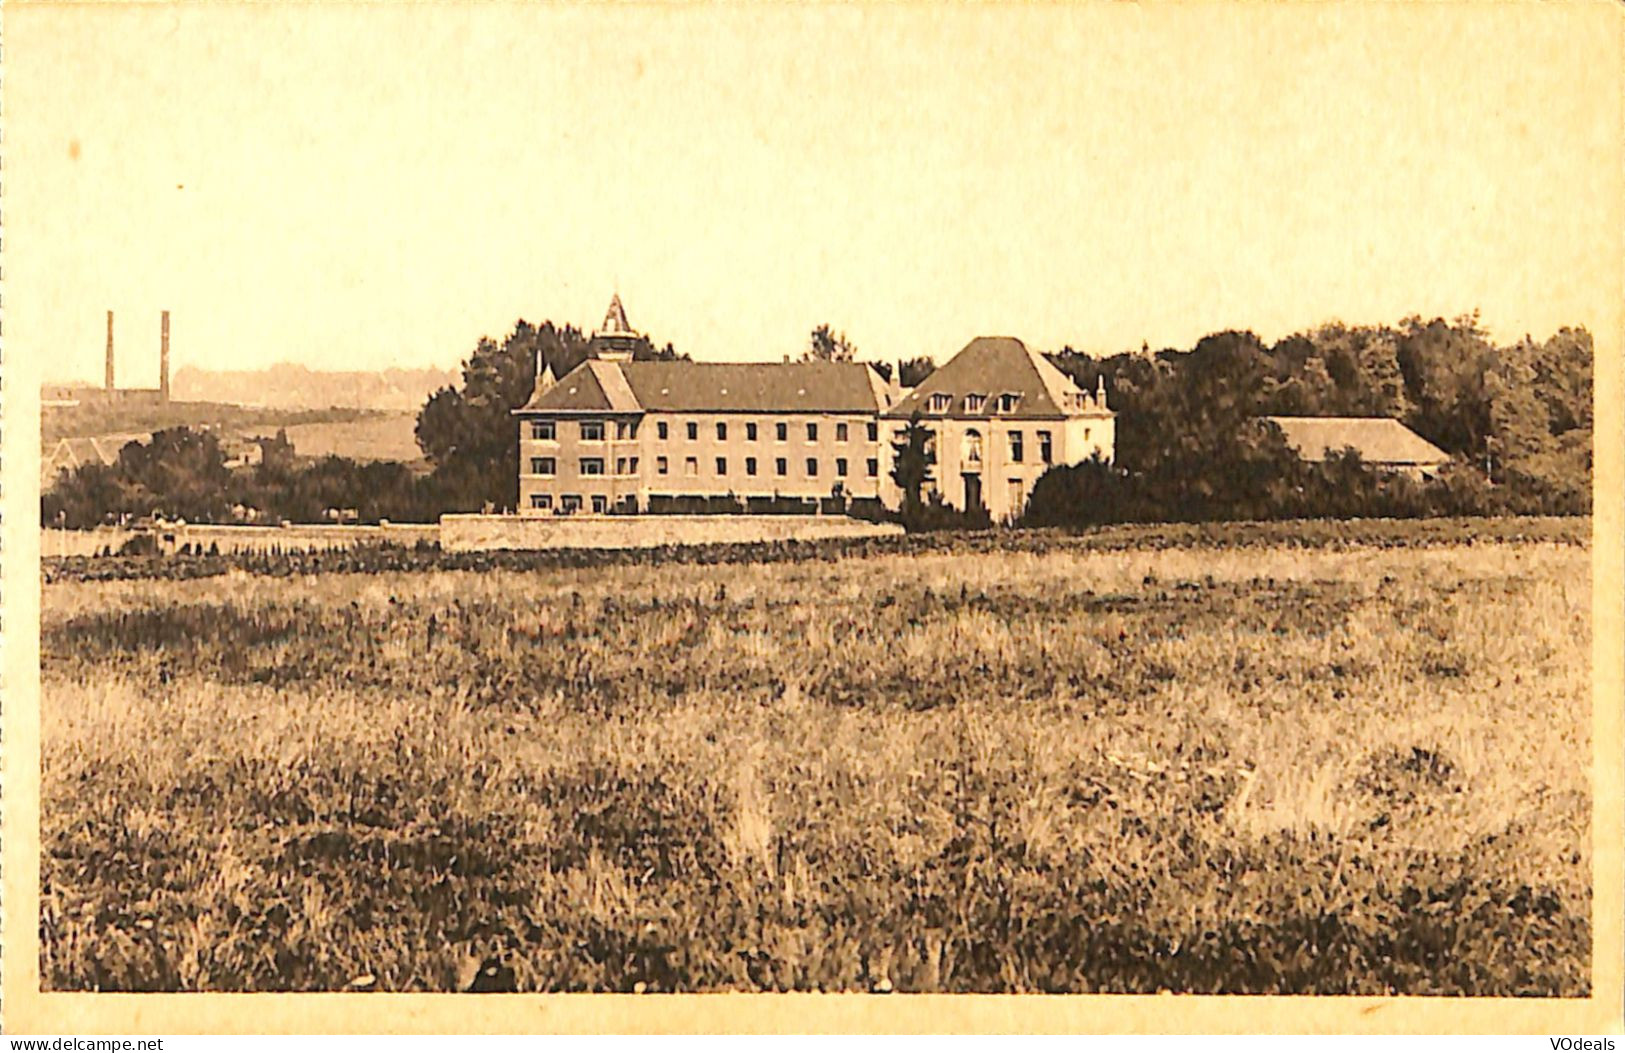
856	500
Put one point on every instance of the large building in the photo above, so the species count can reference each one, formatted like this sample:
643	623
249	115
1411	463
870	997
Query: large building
617	435
999	415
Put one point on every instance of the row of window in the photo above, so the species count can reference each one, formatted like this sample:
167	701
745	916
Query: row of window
691	466
1017	445
593	430
568	503
942	401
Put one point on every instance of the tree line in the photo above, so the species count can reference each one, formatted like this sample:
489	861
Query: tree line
1516	418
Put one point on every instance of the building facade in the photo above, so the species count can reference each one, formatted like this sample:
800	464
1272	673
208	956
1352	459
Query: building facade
997	417
616	435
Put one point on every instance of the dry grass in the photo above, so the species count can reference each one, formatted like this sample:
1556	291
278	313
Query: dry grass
1351	770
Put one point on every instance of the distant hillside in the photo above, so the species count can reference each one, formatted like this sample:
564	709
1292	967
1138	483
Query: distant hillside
286	386
141	418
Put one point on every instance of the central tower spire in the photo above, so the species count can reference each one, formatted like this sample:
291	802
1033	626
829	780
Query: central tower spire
615	340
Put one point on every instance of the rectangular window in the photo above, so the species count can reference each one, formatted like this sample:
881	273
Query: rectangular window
662	430
812	432
940	402
592	431
722	466
1046	449
626	429
1018	447
840	432
840	466
570	503
537	499
1018	495
873	467
634	466
600	504
812	466
592	466
542	429
693	431
620	466
974	403
543	466
750	466
1007	403
781	431
750	431
780	466
662	466
874	432
691	466
722	431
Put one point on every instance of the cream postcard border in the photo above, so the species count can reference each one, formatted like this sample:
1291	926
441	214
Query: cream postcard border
24	1009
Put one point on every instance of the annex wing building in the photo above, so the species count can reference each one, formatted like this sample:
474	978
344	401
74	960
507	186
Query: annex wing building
617	435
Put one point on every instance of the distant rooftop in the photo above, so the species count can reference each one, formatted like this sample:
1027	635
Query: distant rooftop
1378	440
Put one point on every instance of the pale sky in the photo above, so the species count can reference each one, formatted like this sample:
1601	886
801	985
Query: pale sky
356	187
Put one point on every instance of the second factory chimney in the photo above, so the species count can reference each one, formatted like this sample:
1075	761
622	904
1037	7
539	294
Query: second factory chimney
109	352
163	360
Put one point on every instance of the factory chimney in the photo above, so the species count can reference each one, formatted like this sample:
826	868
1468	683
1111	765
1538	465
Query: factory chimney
163	360
109	352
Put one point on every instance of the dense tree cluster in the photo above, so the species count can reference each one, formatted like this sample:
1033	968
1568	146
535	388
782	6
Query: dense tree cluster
468	432
1190	445
181	473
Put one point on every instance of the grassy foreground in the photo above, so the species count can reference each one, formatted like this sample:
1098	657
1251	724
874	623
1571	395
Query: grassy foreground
1360	769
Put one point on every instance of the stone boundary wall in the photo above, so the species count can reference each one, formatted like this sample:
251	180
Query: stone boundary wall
471	532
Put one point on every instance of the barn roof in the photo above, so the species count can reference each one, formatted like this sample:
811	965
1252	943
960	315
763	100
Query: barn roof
1378	440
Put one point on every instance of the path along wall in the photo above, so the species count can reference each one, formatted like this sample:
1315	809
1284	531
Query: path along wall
311	537
466	532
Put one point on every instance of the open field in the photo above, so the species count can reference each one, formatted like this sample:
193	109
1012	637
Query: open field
372	436
1175	764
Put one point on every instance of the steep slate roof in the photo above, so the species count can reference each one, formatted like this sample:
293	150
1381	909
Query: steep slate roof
714	387
1378	440
992	366
785	387
591	387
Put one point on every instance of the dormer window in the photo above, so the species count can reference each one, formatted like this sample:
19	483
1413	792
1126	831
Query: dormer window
1008	402
940	402
974	403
